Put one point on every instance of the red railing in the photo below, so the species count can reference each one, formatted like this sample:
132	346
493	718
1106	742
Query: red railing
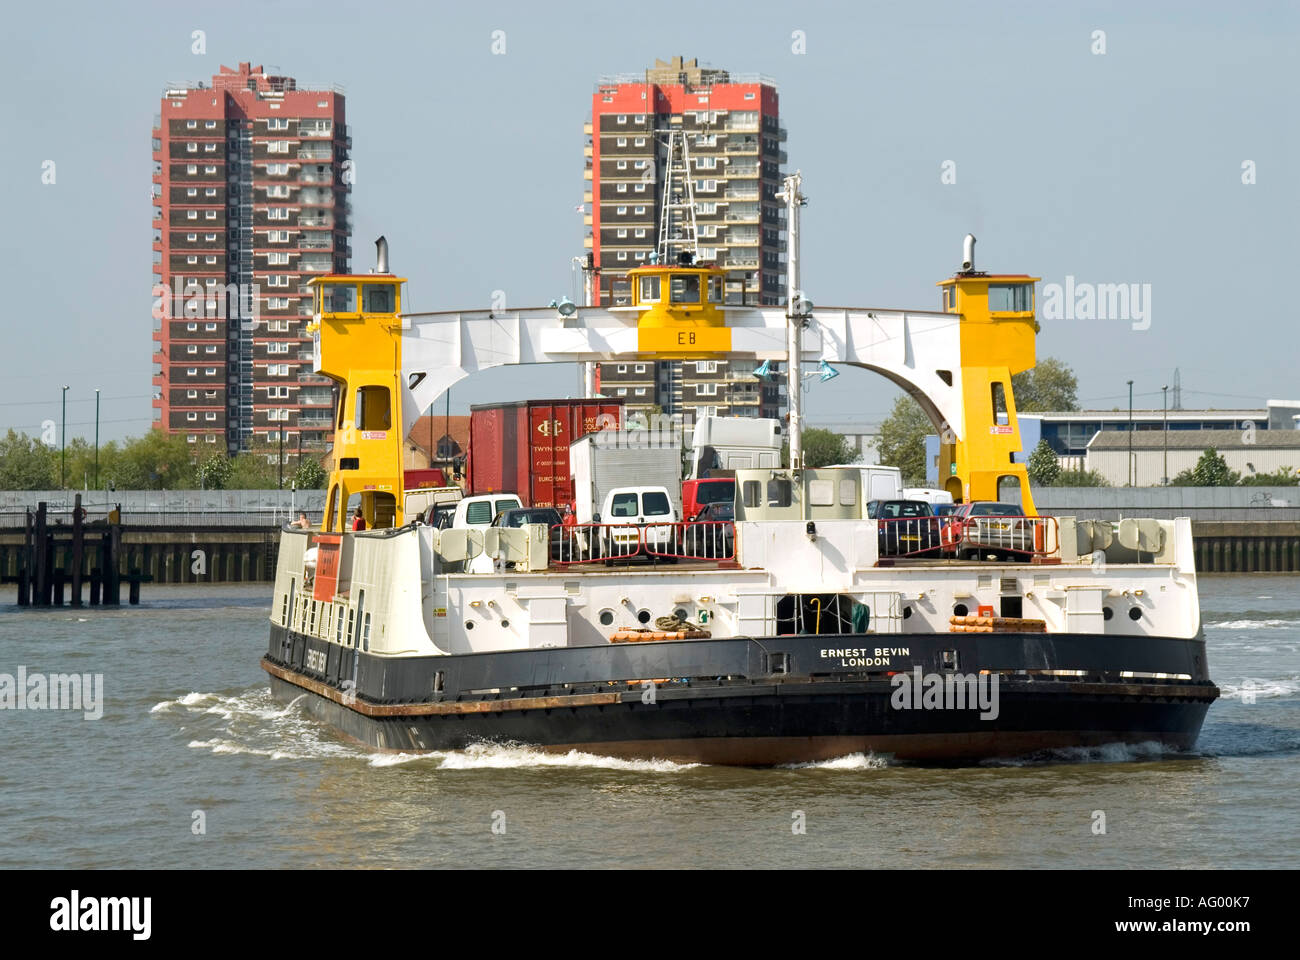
974	537
596	542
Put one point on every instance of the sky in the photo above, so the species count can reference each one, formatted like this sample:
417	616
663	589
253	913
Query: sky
1122	166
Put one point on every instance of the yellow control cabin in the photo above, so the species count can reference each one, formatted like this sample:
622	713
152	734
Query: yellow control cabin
681	312
357	343
997	341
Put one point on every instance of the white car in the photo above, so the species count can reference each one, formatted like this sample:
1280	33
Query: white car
648	508
476	513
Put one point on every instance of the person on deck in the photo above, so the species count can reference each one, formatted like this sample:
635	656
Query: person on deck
358	520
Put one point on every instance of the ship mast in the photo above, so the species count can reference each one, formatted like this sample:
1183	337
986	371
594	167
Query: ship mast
796	314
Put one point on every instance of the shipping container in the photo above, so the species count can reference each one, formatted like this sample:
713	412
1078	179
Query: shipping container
523	447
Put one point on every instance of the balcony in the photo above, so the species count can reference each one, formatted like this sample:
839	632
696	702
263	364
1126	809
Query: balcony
316	153
315	222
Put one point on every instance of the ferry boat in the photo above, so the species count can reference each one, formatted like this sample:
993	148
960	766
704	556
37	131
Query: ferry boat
804	631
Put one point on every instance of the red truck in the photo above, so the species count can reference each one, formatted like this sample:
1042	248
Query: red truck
523	447
697	494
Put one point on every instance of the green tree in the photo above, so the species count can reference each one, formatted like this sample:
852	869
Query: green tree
1051	385
902	439
27	464
821	448
1285	477
310	475
1043	467
253	471
1080	478
1210	471
214	472
154	461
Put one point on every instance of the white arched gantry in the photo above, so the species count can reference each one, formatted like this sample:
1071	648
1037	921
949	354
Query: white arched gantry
918	350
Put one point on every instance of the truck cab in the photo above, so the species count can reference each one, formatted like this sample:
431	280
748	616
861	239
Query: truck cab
698	494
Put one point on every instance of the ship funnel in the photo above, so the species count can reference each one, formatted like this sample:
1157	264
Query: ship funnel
381	255
968	254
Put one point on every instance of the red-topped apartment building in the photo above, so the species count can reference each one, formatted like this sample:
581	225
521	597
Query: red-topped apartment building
731	127
251	179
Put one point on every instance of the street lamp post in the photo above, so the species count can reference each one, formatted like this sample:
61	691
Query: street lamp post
1130	433
63	444
97	438
1164	403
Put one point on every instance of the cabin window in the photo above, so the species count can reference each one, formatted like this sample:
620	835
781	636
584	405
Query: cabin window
338	624
779	493
623	506
1011	297
365	635
1000	416
715	289
685	288
821	493
751	493
379	298
372	411
649	289
338	298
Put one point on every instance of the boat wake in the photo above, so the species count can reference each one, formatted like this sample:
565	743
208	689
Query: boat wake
253	723
853	761
1105	753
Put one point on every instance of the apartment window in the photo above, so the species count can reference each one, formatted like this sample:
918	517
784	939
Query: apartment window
191	124
278	258
749	96
639	142
621	211
622	233
622	141
277	236
211	371
706	366
191	394
192	237
210	259
191	259
277	123
638	210
209	326
277	347
209	214
277	169
191	371
621	188
639	368
191	168
640	391
640	118
622	118
209	148
278	303
209	124
211	438
278	190
192	348
640	232
209	416
639	165
192	438
622	165
622	391
191	214
210	348
706	185
191	416
192	192
278	213
277	146
640	256
209	169
191	326
622	254
191	148
210	192
209	237
706	389
639	188
706	163
622	368
277	280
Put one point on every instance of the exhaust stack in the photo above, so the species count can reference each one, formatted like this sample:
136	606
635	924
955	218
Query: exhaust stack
968	254
381	255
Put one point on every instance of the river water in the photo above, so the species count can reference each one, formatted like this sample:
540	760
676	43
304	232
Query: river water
193	765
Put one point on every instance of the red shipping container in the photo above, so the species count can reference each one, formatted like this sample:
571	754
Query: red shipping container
523	447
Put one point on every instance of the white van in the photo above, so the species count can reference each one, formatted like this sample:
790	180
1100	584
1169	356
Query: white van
878	483
477	512
648	507
928	494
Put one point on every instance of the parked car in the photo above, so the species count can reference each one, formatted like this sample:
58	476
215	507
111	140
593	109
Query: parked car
906	527
988	527
711	533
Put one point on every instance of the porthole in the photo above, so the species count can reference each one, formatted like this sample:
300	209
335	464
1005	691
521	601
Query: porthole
469	624
644	616
960	610
1107	613
681	614
505	624
606	617
1135	613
